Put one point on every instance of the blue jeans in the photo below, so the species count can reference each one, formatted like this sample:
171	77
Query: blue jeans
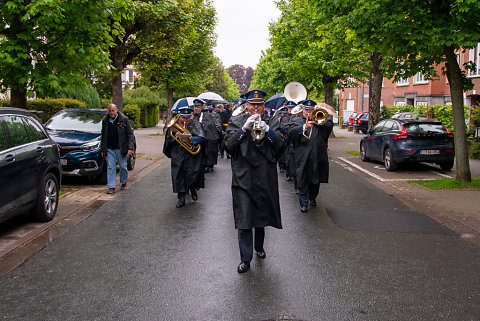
114	156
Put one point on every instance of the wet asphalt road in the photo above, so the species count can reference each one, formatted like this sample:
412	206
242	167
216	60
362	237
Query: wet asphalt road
140	258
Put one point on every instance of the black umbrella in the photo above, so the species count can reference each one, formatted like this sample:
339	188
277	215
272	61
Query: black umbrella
275	101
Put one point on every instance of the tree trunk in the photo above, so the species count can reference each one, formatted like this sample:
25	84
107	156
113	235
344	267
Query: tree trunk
117	88
18	97
170	92
375	90
455	79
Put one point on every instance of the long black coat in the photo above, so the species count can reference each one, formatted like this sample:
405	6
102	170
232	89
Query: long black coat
187	169
254	176
280	122
212	129
311	157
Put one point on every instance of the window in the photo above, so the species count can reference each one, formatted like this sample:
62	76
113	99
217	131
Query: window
17	131
400	103
419	78
35	131
130	76
421	103
474	56
379	127
402	82
388	126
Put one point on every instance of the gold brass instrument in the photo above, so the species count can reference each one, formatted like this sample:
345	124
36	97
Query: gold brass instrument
175	123
319	116
239	110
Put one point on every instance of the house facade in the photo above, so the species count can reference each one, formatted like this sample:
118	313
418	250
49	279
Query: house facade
415	90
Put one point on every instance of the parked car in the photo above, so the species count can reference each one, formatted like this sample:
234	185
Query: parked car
78	133
398	140
361	122
351	119
407	114
30	170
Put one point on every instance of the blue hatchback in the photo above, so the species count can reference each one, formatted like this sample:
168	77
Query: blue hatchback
396	141
78	133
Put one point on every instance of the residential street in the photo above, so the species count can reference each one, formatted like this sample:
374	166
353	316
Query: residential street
361	254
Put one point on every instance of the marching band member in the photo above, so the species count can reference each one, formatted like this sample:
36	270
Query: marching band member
254	176
186	168
311	158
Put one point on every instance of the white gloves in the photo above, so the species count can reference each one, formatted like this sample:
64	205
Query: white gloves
264	126
250	121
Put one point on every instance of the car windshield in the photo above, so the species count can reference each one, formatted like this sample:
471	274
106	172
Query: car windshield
425	128
77	121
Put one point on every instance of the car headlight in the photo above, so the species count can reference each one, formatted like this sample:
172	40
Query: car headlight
91	146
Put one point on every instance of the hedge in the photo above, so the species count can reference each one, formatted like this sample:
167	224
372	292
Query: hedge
49	106
148	102
133	114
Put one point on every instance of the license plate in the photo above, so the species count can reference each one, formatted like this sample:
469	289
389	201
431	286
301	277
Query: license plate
430	152
63	161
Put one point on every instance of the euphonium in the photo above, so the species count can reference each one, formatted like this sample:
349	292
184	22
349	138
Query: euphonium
319	116
175	123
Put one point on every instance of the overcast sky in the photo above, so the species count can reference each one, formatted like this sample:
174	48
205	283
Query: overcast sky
242	30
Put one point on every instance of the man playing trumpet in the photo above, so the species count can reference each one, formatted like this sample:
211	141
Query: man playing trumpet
254	147
310	141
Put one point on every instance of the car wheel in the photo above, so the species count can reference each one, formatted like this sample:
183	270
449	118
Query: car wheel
131	161
447	165
363	153
390	164
47	201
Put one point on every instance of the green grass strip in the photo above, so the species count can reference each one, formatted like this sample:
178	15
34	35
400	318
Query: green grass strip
449	183
353	152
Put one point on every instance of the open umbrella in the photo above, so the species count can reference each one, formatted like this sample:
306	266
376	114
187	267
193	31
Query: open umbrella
211	96
275	101
182	102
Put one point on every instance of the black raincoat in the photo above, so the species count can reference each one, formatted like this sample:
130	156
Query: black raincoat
311	157
254	176
187	169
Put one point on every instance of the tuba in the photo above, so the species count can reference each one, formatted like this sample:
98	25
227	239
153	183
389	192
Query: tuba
192	149
295	91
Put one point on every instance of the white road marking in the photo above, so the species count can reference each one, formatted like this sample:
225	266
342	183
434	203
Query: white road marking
389	179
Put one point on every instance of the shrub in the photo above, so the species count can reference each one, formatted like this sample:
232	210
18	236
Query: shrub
86	93
475	150
147	101
133	114
49	106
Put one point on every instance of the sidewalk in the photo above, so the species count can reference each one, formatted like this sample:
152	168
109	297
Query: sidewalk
459	210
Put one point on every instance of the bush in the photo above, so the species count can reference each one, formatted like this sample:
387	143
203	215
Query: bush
87	93
147	101
49	106
475	150
133	114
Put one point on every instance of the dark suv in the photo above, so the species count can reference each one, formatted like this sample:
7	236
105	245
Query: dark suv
30	170
361	122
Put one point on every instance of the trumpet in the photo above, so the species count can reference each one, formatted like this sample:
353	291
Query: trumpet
257	132
319	116
175	123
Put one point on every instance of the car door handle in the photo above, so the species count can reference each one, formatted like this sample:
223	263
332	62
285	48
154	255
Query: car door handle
10	158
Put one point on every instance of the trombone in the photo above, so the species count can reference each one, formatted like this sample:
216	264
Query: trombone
319	116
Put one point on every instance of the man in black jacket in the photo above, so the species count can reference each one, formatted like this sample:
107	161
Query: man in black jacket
310	142
117	142
254	177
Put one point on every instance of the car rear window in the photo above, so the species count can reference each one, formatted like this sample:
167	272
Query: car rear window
425	128
77	121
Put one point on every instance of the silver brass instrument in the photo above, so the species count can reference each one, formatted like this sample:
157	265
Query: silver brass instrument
175	123
257	132
239	110
319	116
295	91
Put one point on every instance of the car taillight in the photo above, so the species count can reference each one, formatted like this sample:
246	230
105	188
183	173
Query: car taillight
449	150
410	151
359	121
401	135
449	133
58	149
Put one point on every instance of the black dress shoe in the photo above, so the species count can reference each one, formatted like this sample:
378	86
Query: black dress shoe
313	203
194	195
243	267
262	254
180	204
303	209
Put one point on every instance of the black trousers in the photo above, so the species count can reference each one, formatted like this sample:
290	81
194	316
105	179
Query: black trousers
245	241
308	193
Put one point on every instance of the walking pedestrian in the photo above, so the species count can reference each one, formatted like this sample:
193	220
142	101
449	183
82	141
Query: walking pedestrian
254	177
117	142
310	142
